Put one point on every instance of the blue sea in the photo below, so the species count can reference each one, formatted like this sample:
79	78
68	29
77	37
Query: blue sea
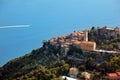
47	19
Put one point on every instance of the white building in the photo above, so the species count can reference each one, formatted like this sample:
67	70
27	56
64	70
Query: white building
68	78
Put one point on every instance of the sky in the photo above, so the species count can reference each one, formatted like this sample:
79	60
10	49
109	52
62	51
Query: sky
47	19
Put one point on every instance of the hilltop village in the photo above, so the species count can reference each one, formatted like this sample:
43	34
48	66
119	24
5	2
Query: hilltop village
77	38
80	39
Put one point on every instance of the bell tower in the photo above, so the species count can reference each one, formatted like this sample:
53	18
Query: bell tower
86	36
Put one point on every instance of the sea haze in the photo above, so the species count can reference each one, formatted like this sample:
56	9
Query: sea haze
47	19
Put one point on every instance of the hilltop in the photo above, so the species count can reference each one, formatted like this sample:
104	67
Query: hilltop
96	38
60	53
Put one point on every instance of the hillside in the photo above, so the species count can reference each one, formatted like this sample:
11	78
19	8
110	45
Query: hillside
58	54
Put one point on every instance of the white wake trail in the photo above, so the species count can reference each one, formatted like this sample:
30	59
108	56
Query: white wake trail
15	26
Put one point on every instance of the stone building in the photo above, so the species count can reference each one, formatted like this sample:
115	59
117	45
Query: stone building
73	72
109	32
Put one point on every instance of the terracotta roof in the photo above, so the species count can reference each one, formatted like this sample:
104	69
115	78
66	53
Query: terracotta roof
88	42
77	42
115	75
118	73
112	75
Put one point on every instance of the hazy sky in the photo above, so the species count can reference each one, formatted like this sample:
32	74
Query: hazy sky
49	18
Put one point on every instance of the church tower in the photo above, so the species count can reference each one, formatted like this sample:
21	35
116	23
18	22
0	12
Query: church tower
85	36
